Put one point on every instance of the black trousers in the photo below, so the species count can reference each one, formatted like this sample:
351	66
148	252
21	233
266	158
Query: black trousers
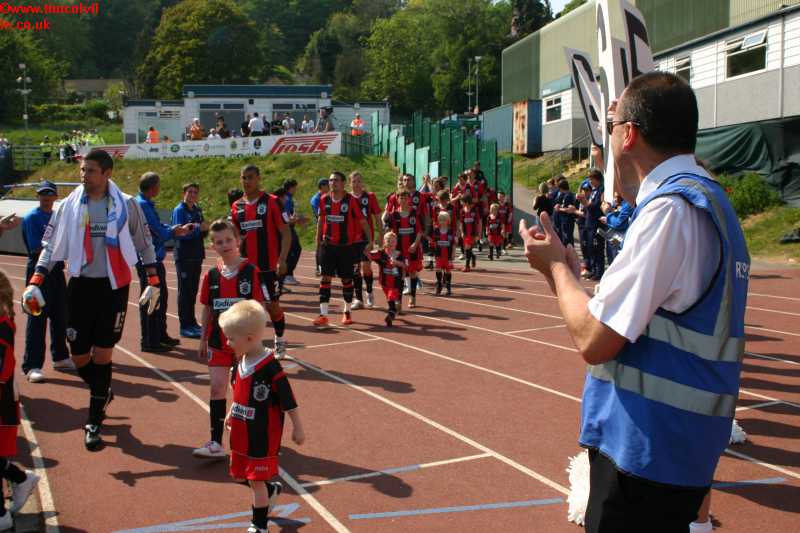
54	290
294	253
188	285
619	503
154	327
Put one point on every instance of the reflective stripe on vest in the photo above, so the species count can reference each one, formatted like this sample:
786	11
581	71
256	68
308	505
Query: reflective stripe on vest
662	409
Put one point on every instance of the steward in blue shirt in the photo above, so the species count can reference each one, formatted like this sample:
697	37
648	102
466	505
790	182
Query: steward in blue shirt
290	186
154	326
189	255
54	290
617	218
595	243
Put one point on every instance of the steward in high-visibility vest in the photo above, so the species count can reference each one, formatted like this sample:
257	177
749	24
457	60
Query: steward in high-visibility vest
357	126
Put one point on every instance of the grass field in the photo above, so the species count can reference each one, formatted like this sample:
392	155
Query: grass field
216	175
764	230
112	133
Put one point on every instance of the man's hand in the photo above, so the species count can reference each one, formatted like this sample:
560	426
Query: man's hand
542	248
180	231
282	268
9	222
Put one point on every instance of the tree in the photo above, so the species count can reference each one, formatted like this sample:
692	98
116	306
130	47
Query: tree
529	16
194	43
572	4
20	47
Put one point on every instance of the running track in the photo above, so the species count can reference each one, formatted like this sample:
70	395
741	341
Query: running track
461	418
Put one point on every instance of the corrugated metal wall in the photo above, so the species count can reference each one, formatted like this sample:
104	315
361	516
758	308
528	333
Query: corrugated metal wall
674	22
498	125
743	10
520	70
576	30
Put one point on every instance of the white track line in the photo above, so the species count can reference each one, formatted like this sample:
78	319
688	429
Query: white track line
765	397
771	358
757	406
390	471
746	457
779	332
774	296
444	429
772	311
330	344
535	329
45	494
308	498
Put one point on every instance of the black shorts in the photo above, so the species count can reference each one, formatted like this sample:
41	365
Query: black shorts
95	314
269	285
337	260
359	252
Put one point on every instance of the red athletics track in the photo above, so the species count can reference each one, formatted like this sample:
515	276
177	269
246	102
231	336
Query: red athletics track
461	418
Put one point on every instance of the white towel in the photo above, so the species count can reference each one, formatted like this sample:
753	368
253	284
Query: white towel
71	240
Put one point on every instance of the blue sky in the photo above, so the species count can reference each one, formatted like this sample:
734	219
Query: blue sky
558	5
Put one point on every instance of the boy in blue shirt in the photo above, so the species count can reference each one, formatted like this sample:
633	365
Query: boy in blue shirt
54	290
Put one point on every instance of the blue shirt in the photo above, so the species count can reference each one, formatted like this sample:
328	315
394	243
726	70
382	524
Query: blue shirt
33	225
315	203
618	220
190	246
288	205
160	232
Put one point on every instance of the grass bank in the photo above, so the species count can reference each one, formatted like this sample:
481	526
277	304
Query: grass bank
111	133
764	230
216	175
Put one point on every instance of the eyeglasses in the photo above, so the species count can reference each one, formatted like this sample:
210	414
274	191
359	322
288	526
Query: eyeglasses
611	123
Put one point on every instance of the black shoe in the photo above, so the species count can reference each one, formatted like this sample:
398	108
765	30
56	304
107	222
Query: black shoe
161	348
438	290
449	292
166	340
91	438
108	402
474	261
388	320
274	490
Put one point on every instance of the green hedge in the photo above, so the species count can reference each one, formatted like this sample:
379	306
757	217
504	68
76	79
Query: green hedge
91	109
749	194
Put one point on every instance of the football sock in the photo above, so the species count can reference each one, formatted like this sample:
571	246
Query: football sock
86	372
358	286
217	411
11	472
368	281
260	517
99	392
347	290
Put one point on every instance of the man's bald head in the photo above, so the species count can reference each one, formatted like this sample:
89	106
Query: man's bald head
664	109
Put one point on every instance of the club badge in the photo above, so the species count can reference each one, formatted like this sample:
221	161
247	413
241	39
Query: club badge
261	392
245	288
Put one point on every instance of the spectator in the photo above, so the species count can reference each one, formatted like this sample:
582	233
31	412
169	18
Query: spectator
152	136
256	126
357	126
322	189
189	254
289	125
324	124
542	203
213	135
196	131
244	128
290	187
54	290
307	126
222	129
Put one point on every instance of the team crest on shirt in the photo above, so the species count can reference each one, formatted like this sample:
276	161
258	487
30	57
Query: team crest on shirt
343	209
245	288
412	220
261	392
415	199
261	209
365	201
72	334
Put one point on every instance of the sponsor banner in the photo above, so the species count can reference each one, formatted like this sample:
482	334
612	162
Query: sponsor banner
302	143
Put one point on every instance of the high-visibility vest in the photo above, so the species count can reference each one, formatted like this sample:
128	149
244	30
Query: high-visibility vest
662	409
356	126
152	137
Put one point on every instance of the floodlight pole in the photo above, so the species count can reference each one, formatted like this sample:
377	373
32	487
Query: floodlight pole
477	84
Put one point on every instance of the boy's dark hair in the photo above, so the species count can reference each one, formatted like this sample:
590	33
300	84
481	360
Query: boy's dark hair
288	184
664	108
339	175
148	181
187	186
563	185
280	191
596	174
251	168
234	194
443	195
222	224
466	199
101	157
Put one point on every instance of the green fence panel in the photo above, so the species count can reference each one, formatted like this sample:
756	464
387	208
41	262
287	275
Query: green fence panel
457	158
505	176
393	136
421	163
426	132
488	159
410	159
470	150
401	153
417	129
436	141
433	169
408	130
445	155
375	126
385	133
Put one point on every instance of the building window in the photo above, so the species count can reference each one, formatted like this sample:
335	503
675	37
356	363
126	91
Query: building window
683	68
747	54
552	109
